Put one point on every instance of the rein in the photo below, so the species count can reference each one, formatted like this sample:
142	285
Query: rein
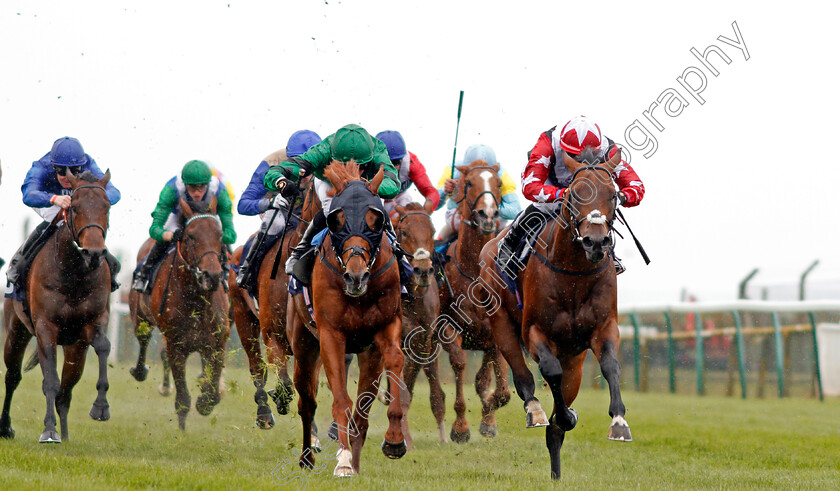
340	274
471	220
195	270
75	234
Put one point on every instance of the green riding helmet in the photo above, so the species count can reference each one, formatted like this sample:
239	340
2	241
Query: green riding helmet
352	142
196	173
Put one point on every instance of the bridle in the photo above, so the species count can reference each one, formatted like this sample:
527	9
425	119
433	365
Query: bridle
467	185
196	270
398	229
595	216
68	214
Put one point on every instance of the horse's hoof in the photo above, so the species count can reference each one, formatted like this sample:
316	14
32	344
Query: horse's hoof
393	450
265	421
488	430
139	373
100	413
343	466
332	433
534	415
164	390
315	443
568	425
204	404
459	436
282	397
619	430
49	436
7	432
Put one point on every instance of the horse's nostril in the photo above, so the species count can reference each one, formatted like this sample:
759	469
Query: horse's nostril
605	241
587	241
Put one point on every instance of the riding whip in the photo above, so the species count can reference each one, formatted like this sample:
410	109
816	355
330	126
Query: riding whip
638	244
457	127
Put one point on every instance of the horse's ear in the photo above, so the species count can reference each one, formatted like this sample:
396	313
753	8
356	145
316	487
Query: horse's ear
332	176
612	163
400	209
395	220
429	206
463	169
213	203
105	179
185	208
74	181
496	167
571	163
373	184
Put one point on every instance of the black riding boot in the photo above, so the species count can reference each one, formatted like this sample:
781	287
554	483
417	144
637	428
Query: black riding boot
318	223
509	244
141	277
115	267
19	263
245	268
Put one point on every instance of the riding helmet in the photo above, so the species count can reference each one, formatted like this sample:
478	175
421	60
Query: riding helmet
67	152
394	142
300	141
196	173
352	142
480	152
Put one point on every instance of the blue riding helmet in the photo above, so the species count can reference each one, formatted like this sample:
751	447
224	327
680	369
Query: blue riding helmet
300	141
480	152
67	152
394	142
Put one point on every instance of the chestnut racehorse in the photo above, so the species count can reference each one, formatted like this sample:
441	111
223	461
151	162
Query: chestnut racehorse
357	309
478	196
190	306
415	232
569	304
67	289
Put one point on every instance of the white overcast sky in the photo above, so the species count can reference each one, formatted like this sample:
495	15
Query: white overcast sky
745	180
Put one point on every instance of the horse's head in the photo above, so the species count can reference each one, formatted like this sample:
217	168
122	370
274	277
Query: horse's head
356	222
479	194
87	216
201	248
415	233
591	200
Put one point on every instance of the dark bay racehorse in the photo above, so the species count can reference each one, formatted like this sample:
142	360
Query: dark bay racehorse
415	232
68	291
478	196
569	304
357	309
190	306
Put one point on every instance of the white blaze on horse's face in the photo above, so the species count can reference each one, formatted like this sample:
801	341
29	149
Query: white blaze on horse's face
488	198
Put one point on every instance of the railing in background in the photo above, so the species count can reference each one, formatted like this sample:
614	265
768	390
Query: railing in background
736	309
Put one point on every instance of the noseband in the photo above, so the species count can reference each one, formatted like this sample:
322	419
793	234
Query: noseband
594	217
68	214
196	270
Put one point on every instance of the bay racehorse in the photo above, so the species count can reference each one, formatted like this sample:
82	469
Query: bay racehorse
568	292
190	306
415	232
67	291
357	309
478	196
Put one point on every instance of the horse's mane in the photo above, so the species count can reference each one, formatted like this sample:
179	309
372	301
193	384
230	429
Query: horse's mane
340	174
199	206
414	207
88	176
587	156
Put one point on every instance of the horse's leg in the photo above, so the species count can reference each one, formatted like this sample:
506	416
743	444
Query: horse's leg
306	370
460	432
277	358
370	366
17	337
332	432
388	342
165	387
100	411
606	351
487	428
214	361
410	370
74	365
507	341
552	373
177	361
47	335
248	328
143	332
437	398
499	397
333	345
554	434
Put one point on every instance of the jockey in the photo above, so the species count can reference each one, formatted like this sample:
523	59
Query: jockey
545	178
255	202
409	170
47	190
508	208
349	142
196	183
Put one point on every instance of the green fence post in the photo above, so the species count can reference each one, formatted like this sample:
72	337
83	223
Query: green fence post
698	328
636	351
739	345
816	354
672	378
780	358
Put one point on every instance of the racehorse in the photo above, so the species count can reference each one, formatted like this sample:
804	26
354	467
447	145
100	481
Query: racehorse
357	309
190	306
478	196
68	291
568	292
415	232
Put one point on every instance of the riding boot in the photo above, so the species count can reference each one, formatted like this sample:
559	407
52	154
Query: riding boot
509	244
19	263
226	267
319	221
619	268
141	277
245	267
115	266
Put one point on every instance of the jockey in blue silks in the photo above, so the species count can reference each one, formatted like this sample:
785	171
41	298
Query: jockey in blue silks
47	190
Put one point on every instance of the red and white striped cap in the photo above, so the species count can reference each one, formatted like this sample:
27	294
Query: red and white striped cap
578	134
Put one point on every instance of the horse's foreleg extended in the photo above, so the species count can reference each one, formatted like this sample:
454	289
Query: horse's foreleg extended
47	335
306	370
437	398
460	432
607	353
17	337
554	437
333	345
277	354
388	343
210	396
410	371
552	372
143	332
74	365
177	361
248	329
165	387
370	366
100	411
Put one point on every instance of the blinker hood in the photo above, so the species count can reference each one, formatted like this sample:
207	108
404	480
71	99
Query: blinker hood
355	201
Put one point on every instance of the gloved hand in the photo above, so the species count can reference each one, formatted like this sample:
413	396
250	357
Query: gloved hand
280	202
285	187
622	198
61	200
177	235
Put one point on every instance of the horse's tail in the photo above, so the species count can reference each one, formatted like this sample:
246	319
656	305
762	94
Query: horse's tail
32	362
